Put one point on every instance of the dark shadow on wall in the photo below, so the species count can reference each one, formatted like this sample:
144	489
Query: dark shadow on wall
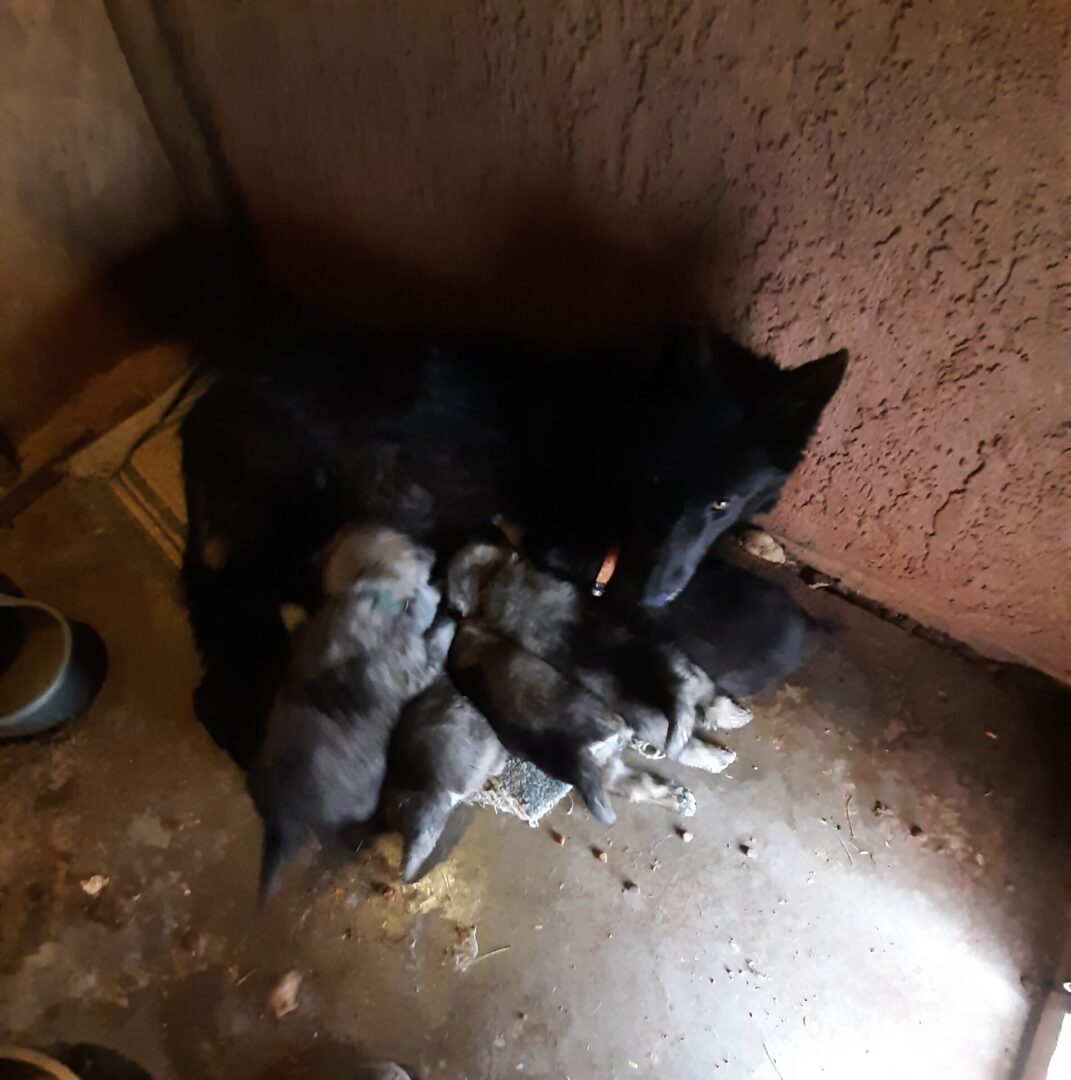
554	276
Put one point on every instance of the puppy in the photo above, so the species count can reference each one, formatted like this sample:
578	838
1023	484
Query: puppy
442	751
566	687
556	723
648	682
372	646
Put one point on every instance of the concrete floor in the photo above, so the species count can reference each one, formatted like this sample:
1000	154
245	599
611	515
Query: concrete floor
847	942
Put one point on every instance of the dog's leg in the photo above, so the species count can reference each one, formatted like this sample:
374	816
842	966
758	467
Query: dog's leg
638	786
722	714
709	758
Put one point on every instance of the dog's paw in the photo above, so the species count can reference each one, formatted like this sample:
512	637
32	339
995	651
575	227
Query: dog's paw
724	714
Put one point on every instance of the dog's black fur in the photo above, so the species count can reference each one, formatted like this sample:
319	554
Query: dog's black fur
659	451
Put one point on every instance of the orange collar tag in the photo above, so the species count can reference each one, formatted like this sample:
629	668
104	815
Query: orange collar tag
606	572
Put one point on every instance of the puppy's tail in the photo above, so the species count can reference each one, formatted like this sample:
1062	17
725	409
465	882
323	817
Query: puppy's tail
587	779
423	821
276	850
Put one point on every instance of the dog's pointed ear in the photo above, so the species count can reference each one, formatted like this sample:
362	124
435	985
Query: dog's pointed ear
802	395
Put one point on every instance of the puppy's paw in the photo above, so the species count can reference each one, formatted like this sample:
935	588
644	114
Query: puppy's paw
711	759
724	714
439	639
646	749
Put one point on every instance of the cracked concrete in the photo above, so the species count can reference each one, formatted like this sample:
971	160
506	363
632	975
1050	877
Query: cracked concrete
879	887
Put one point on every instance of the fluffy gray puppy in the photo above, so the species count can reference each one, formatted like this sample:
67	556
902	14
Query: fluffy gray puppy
442	751
372	646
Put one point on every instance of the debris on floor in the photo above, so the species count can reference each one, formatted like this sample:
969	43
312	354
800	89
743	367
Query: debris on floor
763	546
463	951
94	884
285	995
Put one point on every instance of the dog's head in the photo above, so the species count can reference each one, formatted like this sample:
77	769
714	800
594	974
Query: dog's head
738	428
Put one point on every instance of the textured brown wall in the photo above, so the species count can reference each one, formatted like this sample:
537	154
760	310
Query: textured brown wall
880	176
83	184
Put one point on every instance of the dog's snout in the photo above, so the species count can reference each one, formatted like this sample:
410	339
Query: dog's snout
664	587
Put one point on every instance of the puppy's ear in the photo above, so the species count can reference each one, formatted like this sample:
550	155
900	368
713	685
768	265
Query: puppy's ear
466	574
338	562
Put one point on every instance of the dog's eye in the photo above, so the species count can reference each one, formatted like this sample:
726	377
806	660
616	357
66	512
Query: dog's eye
718	505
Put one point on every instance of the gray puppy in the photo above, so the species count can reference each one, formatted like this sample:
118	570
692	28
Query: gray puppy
443	751
372	646
565	685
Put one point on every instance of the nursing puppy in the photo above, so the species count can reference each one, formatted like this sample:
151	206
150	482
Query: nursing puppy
442	751
659	693
538	713
566	687
371	647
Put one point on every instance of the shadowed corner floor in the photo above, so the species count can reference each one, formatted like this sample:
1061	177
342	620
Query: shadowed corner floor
879	887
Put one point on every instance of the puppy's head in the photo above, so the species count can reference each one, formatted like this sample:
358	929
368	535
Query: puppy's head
376	552
469	571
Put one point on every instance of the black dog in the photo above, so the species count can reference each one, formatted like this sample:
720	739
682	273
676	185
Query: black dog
658	453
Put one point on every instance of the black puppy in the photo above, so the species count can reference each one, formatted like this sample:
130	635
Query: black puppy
442	751
566	686
648	682
371	647
657	452
558	724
